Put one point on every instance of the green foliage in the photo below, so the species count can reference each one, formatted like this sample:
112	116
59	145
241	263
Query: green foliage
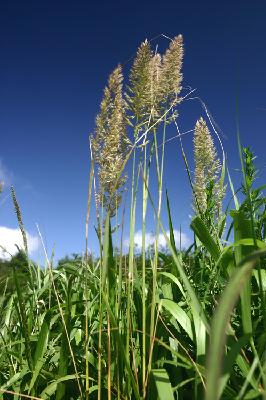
18	262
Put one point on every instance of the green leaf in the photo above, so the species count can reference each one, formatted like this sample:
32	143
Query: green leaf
41	348
160	386
220	322
230	359
200	334
263	278
175	280
179	314
252	394
203	234
243	230
171	230
51	389
15	378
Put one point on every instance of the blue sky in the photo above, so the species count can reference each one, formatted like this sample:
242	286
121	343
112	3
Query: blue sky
55	60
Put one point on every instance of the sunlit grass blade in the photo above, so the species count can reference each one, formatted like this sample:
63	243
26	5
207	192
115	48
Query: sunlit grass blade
160	386
171	229
41	347
179	314
220	321
202	232
243	230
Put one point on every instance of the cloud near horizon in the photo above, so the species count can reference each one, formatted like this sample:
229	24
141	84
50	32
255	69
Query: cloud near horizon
150	238
9	238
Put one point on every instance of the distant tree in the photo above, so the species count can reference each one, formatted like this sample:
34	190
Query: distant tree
19	263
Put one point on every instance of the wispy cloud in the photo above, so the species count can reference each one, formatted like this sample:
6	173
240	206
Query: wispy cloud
9	238
6	176
150	238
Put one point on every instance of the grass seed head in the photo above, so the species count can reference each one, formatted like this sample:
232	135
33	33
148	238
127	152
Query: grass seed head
171	76
109	143
207	171
138	96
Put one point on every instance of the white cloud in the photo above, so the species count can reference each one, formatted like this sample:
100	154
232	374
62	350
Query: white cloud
150	238
10	237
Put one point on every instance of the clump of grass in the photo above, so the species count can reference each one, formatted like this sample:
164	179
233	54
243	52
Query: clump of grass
144	325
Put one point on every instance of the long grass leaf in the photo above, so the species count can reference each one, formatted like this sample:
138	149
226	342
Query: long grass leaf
160	386
220	321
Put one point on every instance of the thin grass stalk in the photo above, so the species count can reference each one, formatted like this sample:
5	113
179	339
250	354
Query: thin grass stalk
134	365
154	264
130	287
121	347
86	334
131	252
152	341
86	275
89	200
144	210
145	173
99	214
120	268
118	303
108	358
61	312
100	338
159	168
24	396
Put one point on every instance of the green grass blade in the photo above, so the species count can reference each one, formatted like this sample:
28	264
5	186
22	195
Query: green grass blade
179	314
202	232
106	249
160	386
230	360
52	387
200	335
174	279
243	230
220	321
171	230
40	350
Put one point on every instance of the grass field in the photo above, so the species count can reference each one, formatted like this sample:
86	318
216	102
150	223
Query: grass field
172	324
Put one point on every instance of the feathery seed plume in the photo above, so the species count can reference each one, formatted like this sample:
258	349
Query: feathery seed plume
109	143
138	96
154	85
171	77
207	185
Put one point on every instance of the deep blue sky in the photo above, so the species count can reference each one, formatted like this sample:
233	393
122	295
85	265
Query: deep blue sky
55	59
